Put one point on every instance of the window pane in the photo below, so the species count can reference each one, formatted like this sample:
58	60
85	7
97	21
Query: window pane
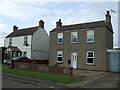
59	58
89	60
60	37
90	36
90	54
10	41
73	36
25	40
60	40
59	53
74	39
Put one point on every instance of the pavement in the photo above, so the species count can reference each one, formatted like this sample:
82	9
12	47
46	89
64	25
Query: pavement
88	79
106	80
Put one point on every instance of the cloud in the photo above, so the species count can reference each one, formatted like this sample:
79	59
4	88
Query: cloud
3	32
26	13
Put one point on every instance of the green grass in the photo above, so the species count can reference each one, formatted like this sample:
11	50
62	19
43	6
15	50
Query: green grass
44	76
5	65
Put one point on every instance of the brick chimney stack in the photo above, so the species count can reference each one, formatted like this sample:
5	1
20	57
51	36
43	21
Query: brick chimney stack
108	16
41	24
15	28
58	23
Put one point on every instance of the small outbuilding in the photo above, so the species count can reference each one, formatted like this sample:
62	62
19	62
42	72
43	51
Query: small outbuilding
114	57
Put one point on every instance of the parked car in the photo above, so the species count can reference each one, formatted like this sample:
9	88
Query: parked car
17	58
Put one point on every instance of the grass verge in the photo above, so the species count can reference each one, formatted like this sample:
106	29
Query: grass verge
4	65
44	76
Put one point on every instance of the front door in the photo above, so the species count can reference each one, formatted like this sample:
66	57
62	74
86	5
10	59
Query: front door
74	60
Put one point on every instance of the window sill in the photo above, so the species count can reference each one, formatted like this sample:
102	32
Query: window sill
90	42
60	43
74	43
59	62
90	64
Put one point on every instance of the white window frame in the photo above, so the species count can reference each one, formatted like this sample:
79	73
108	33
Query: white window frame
89	57
75	33
59	56
10	41
93	35
58	38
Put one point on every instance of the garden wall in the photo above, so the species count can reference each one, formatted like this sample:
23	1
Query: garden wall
42	68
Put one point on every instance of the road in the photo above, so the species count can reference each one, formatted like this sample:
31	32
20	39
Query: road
10	83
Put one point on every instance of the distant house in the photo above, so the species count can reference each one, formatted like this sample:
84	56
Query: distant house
81	46
32	42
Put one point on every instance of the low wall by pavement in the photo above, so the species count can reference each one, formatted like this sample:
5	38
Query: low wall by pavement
33	61
42	68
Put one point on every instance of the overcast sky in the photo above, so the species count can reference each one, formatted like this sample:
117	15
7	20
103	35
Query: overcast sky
28	13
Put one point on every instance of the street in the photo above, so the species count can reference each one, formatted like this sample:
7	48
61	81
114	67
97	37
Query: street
9	83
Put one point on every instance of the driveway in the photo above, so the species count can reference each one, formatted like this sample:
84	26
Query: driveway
102	80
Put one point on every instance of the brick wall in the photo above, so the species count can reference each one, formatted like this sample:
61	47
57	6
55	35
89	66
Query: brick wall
34	61
42	68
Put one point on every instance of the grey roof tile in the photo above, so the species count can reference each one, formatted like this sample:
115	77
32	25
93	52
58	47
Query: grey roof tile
24	31
96	24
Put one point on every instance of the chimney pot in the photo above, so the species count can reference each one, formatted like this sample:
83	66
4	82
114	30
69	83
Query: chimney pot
58	23
15	28
41	24
108	13
108	16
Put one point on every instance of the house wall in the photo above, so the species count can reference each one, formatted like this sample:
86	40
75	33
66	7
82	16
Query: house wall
19	42
109	36
40	45
99	48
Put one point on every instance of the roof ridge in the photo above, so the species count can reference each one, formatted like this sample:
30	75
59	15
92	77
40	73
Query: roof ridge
23	31
28	27
84	23
95	24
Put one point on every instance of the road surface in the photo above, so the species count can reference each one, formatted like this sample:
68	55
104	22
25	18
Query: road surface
10	83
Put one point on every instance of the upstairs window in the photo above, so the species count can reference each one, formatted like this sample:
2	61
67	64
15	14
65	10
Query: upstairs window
90	36
59	56
90	57
10	41
60	38
26	40
73	37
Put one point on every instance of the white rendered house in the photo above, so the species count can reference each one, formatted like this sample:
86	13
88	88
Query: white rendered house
32	42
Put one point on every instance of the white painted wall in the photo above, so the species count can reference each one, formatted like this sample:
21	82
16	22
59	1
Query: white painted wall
40	45
19	42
